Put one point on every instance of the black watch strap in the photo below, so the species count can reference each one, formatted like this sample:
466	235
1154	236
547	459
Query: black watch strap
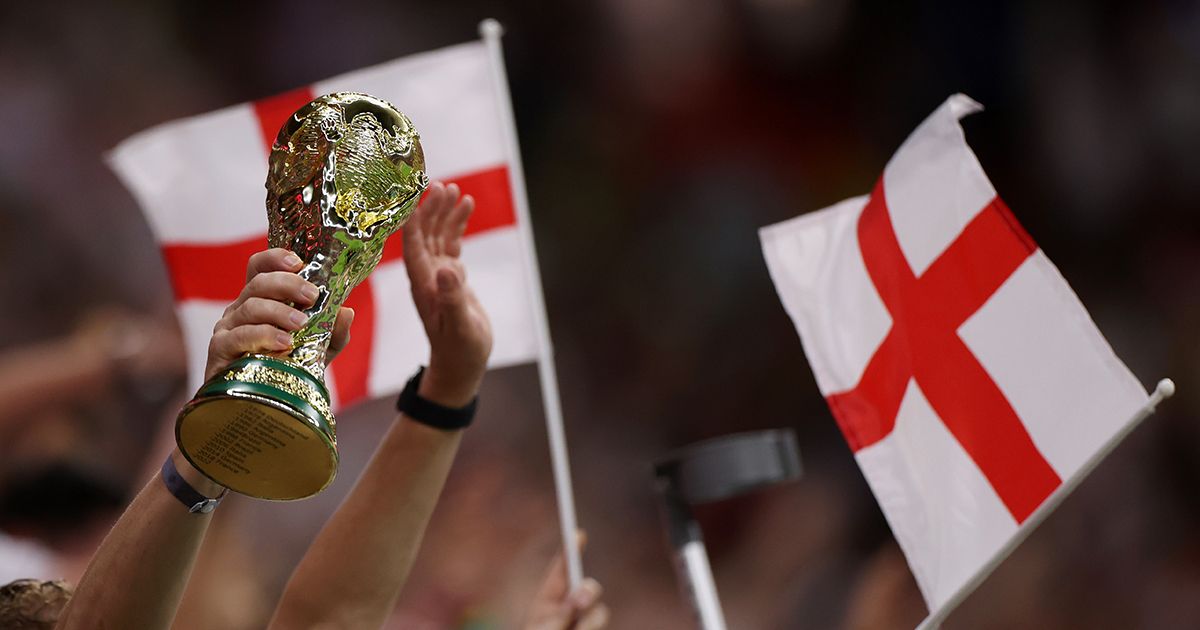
195	502
430	413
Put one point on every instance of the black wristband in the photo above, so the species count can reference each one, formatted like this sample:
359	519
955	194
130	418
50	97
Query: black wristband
430	413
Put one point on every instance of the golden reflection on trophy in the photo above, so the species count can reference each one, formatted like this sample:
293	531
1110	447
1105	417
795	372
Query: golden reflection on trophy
346	171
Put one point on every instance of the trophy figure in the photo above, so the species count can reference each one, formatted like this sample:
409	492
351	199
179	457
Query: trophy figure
345	172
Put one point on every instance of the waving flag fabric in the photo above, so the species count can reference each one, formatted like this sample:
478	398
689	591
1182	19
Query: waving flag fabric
963	371
200	183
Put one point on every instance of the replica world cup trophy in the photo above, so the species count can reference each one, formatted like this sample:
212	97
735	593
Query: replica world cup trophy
345	172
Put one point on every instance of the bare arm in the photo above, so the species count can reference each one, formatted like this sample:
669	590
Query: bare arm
36	375
109	343
137	576
351	575
354	570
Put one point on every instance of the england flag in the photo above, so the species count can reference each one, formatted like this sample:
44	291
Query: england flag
967	378
200	182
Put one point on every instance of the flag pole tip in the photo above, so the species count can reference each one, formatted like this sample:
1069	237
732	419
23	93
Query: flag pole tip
1165	388
490	27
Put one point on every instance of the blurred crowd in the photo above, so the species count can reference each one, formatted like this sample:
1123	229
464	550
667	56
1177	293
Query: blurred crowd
658	135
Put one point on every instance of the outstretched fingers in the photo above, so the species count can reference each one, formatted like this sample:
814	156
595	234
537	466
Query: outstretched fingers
455	225
414	231
439	222
435	237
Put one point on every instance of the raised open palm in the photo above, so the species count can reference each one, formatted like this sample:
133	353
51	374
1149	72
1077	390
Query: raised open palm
460	335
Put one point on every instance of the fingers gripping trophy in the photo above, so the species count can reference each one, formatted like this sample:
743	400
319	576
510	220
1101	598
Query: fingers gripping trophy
345	172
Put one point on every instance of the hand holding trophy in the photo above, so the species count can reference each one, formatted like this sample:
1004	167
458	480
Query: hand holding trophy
345	172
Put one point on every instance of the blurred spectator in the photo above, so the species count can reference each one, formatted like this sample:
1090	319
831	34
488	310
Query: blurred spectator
74	427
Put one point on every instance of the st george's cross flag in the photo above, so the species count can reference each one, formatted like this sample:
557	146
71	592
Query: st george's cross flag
200	182
965	374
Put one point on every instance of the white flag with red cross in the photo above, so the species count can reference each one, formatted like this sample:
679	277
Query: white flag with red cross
966	376
200	182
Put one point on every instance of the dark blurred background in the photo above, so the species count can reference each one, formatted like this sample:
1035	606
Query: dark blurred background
658	135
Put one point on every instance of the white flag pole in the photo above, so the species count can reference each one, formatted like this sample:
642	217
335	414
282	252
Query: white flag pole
1164	390
491	31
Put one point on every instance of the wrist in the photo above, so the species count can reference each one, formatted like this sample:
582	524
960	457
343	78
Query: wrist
445	413
196	479
447	388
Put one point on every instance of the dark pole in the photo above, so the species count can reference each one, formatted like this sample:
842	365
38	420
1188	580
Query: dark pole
711	471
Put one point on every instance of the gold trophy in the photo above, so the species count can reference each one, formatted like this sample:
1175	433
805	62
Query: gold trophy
345	172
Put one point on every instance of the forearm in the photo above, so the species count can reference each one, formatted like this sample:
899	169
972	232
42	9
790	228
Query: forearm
34	376
138	574
351	575
353	572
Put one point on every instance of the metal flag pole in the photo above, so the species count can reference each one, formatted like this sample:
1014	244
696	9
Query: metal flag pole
491	31
1164	390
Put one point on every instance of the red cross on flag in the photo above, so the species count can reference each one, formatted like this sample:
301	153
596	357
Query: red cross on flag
200	183
966	376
